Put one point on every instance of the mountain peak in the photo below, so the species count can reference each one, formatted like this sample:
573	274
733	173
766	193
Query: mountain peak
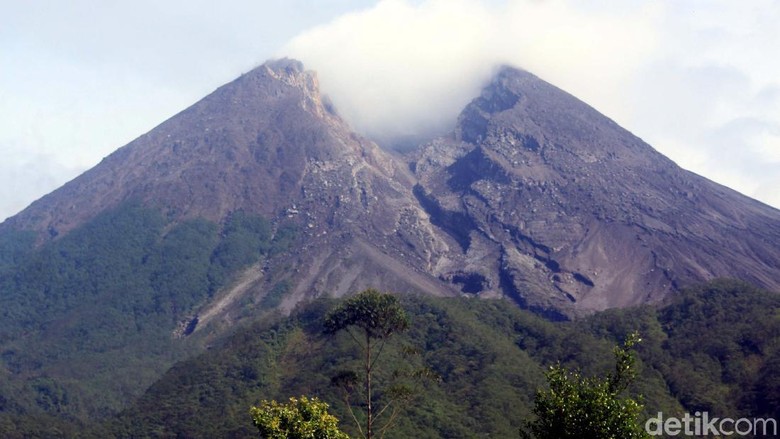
285	65
228	150
535	195
266	144
292	73
563	199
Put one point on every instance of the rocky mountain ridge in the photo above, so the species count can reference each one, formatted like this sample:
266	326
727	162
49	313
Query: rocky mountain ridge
534	196
568	210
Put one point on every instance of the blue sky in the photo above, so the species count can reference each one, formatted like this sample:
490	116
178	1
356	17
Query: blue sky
698	80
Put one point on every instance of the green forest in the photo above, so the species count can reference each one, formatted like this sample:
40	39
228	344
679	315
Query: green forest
86	348
86	321
713	348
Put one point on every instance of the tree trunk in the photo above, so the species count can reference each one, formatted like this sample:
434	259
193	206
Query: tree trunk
369	418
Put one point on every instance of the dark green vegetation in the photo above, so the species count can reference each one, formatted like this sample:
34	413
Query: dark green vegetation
577	407
371	318
87	320
712	348
116	298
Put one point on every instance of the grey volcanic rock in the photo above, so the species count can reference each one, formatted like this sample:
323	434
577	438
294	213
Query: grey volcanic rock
251	144
535	196
557	206
268	143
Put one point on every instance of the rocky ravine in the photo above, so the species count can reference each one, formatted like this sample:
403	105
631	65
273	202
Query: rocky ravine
535	196
268	143
555	205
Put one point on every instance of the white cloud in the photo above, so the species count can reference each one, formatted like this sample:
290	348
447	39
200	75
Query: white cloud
678	74
401	66
398	68
81	78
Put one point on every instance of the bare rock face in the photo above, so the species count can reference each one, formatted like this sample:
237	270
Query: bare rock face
248	145
268	143
557	206
535	196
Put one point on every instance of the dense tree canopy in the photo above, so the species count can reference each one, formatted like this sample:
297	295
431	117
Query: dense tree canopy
714	347
376	314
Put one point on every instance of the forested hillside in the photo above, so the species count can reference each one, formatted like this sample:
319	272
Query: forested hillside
89	320
186	276
713	348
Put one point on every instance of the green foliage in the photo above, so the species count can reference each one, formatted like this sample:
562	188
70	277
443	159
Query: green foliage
491	358
274	297
577	407
720	338
715	347
378	316
244	239
484	375
86	319
285	236
50	395
39	425
300	418
14	245
207	396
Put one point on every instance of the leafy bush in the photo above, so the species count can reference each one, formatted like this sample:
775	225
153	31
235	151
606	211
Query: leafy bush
300	418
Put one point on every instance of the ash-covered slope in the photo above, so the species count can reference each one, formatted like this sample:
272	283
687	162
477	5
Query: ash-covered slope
268	144
535	196
254	143
556	205
257	197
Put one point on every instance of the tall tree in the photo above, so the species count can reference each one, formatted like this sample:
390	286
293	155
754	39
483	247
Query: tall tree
576	407
370	318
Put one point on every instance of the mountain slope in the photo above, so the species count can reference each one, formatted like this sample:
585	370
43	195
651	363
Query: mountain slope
256	197
534	196
260	197
261	143
557	206
491	359
267	144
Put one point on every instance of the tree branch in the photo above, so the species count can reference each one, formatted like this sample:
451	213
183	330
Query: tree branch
381	346
352	413
393	415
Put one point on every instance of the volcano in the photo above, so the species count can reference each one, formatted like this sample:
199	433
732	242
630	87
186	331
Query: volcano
534	196
557	206
261	197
